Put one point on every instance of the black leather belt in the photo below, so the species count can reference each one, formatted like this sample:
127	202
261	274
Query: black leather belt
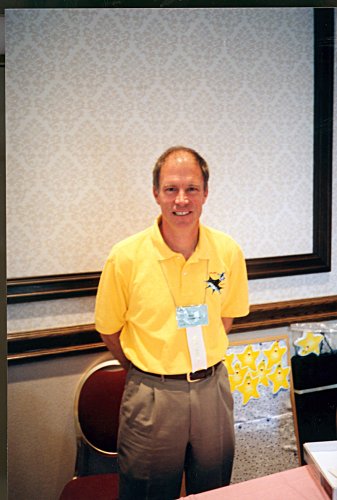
190	377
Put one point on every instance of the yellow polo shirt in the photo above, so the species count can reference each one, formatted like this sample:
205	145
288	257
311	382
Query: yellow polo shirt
142	283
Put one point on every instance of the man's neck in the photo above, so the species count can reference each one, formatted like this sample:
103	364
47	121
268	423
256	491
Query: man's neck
182	240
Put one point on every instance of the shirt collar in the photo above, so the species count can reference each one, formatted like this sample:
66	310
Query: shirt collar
165	252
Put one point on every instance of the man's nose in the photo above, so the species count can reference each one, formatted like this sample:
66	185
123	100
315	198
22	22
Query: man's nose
181	197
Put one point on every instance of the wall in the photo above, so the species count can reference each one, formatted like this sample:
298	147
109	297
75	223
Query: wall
95	96
69	112
41	436
40	394
3	317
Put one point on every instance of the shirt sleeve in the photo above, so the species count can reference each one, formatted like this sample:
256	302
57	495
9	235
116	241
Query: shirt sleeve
111	299
237	302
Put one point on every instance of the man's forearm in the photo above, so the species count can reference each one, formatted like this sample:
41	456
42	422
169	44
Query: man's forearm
227	323
113	344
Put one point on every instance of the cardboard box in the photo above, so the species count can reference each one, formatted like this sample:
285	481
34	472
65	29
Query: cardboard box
322	460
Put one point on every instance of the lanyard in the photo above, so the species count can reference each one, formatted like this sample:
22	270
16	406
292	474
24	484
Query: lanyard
170	290
192	318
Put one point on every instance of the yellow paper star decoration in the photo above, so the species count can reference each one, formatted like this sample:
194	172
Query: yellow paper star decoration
279	378
238	376
309	343
248	388
274	354
228	362
262	372
248	357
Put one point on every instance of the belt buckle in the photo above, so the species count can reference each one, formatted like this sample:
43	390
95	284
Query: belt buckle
188	377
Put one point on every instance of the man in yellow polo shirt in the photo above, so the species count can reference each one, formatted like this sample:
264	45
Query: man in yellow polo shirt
165	304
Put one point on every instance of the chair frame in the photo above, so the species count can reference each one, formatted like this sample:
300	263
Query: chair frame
85	446
80	435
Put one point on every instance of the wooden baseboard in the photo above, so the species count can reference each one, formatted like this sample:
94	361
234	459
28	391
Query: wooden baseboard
39	344
275	314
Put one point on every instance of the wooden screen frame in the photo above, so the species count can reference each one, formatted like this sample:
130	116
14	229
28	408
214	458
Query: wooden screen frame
319	260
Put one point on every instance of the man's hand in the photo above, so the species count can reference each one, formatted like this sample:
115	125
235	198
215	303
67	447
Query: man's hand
113	344
227	323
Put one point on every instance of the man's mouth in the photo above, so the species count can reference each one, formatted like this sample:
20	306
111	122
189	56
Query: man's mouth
181	214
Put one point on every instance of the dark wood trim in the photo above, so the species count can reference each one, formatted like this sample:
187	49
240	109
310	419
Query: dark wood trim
41	344
85	4
76	285
51	287
323	133
278	314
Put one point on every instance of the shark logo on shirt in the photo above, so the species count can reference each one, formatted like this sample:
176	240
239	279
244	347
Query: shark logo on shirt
215	283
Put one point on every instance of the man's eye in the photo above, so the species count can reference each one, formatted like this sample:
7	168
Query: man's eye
170	189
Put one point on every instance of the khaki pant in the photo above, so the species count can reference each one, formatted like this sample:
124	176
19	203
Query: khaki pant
168	426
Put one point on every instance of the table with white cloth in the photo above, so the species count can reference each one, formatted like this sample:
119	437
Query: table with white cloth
292	484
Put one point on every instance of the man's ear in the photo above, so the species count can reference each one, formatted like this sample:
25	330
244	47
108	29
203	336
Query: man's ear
155	193
205	194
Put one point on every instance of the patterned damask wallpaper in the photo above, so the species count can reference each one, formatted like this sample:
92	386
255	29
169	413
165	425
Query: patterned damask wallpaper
94	96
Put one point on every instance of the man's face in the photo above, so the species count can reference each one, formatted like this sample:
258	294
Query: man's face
181	192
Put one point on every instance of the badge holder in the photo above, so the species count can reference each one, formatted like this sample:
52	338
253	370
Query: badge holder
193	318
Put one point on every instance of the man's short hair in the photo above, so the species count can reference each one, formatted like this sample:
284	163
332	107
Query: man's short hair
162	158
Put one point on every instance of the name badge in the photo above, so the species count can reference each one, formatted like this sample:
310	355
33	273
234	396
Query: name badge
192	316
